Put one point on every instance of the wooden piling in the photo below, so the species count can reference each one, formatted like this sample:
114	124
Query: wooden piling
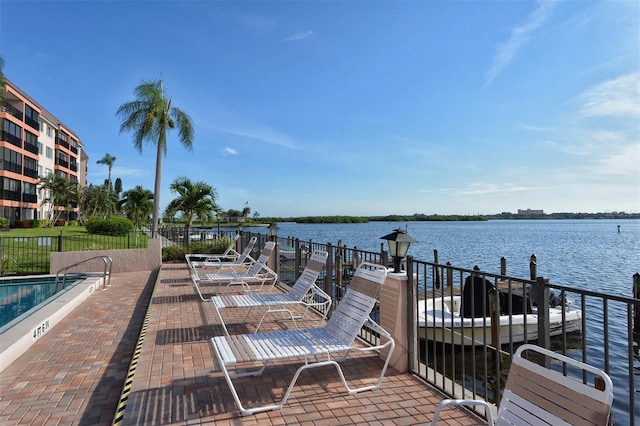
544	339
494	310
533	267
503	265
636	309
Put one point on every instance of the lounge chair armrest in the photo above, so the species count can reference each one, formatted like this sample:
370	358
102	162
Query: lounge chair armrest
377	328
464	402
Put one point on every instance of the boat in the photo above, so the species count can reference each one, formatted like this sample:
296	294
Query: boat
460	319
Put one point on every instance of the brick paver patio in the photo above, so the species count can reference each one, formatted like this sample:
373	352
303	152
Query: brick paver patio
75	374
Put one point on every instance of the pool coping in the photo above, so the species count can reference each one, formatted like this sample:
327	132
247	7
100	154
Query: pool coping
18	339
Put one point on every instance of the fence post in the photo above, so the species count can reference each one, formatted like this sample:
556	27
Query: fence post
436	260
60	241
503	265
449	275
411	315
636	309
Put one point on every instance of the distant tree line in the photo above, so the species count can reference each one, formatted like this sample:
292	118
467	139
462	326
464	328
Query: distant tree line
421	217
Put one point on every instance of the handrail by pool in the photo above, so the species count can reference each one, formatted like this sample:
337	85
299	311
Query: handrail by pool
106	274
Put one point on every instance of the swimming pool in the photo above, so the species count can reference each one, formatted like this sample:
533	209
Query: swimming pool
31	306
20	296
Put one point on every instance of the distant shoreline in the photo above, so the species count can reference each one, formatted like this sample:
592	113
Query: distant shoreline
449	218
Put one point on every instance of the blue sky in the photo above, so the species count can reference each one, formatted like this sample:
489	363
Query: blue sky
353	107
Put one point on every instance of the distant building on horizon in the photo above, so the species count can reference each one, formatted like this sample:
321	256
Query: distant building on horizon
530	212
34	143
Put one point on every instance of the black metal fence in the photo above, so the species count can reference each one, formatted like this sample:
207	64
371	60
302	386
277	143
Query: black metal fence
606	338
31	255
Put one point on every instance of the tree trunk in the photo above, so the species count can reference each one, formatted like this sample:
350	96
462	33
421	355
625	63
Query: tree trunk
156	192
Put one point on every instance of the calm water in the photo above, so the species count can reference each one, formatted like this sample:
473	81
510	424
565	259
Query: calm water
588	254
584	254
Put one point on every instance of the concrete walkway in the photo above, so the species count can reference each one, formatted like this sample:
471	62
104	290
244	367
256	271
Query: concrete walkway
76	373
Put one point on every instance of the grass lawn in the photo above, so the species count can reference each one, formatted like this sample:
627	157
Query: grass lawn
27	250
44	232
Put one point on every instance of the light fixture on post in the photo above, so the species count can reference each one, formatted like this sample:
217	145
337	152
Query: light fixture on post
273	231
239	228
399	242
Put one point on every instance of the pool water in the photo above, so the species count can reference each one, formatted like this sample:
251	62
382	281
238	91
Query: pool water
20	296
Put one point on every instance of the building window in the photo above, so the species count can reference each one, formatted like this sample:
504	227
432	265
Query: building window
50	131
40	146
10	189
12	133
49	152
10	160
48	172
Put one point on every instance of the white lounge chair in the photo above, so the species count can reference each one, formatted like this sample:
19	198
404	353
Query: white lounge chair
314	347
537	395
198	260
220	261
257	274
304	292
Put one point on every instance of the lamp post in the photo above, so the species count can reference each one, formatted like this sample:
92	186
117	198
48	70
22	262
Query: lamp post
239	228
218	217
399	242
273	231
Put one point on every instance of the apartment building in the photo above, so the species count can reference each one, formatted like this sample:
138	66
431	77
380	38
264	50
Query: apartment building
34	143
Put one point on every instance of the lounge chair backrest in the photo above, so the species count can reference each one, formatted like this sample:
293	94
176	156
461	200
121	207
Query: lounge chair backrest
231	247
553	397
310	274
265	253
357	303
247	250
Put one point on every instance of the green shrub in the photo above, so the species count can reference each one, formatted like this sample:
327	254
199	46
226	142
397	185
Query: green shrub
216	246
173	253
111	226
37	223
72	223
4	223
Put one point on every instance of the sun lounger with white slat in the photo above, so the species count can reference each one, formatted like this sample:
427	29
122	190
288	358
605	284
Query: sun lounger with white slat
313	347
252	280
304	293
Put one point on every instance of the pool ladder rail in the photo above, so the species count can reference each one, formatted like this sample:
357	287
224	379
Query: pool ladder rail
105	274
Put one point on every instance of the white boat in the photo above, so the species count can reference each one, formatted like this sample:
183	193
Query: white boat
440	319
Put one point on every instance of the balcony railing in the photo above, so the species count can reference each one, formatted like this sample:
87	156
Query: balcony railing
12	139
7	107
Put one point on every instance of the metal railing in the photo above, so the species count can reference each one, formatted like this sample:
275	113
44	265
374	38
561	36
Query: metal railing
479	369
105	274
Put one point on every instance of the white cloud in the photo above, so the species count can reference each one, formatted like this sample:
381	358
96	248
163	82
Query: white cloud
519	36
263	134
299	36
617	97
229	151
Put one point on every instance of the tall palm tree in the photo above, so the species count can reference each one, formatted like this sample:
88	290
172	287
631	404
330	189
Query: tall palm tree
195	200
149	117
137	206
108	159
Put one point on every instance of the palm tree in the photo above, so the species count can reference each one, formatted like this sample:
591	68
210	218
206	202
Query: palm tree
149	117
108	159
137	206
2	81
195	199
61	193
